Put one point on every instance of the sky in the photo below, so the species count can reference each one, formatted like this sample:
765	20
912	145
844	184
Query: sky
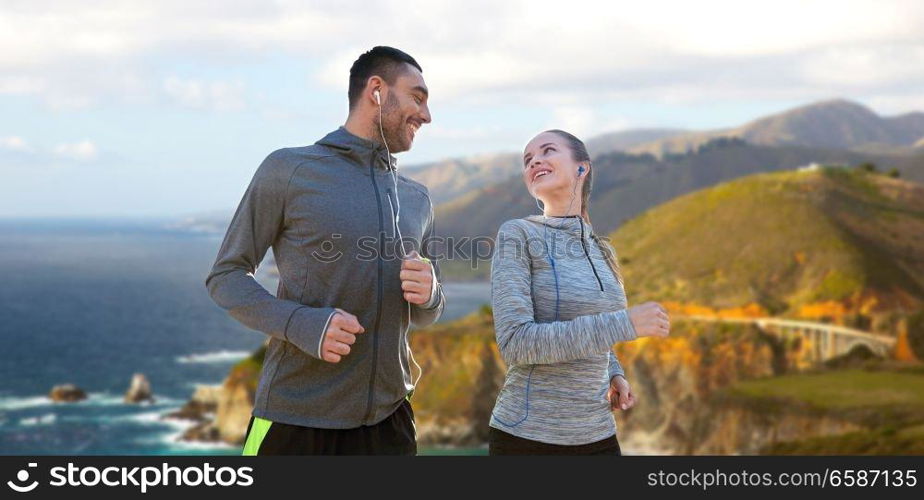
166	108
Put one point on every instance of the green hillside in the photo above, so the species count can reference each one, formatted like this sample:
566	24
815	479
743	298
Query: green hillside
886	400
783	240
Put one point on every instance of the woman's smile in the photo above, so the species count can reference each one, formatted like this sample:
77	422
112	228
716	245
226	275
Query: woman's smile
540	172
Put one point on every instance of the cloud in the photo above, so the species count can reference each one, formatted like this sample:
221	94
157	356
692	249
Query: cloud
14	143
896	103
20	85
670	52
478	52
867	66
440	131
584	120
196	94
83	151
15	151
75	87
721	28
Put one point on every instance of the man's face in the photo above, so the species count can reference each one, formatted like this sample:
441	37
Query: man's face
404	109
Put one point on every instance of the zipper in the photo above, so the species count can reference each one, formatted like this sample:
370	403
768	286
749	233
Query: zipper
381	287
400	248
394	230
587	254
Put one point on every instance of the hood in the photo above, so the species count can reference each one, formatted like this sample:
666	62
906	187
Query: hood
360	149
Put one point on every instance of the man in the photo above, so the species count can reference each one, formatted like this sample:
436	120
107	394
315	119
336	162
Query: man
336	378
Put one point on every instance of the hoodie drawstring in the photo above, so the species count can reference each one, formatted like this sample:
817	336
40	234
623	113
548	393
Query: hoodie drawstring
587	254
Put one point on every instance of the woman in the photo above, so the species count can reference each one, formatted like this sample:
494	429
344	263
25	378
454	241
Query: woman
559	306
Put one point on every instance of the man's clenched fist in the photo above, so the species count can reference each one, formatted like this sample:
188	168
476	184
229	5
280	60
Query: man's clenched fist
340	335
416	279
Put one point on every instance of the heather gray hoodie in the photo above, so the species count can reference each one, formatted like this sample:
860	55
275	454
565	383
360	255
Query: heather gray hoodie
328	212
556	321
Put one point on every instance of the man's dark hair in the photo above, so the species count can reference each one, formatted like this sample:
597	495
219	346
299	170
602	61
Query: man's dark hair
382	61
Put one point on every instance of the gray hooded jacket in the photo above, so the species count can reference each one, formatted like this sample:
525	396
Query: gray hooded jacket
328	211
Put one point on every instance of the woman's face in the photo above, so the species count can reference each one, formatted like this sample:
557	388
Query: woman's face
548	167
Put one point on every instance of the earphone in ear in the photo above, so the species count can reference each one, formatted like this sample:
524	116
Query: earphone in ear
580	170
378	100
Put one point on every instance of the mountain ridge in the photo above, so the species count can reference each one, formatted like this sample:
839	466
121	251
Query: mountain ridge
833	124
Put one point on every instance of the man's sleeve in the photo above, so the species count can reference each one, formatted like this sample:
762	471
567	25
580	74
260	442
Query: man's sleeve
258	221
429	313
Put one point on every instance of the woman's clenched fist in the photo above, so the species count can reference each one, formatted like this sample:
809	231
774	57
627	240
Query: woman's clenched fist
650	319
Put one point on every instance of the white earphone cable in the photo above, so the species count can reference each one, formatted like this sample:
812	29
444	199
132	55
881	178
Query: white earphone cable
394	177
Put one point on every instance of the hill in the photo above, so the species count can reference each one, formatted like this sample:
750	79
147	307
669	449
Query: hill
626	139
831	124
449	179
625	184
826	242
710	388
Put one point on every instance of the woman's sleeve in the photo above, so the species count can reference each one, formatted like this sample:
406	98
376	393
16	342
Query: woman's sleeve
520	339
614	368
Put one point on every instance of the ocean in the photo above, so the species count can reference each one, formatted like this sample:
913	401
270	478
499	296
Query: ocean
91	302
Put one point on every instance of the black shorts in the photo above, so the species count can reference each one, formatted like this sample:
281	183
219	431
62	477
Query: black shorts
396	435
502	443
